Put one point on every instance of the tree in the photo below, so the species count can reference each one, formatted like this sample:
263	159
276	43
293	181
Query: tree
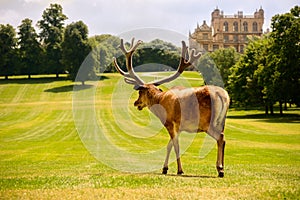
243	83
51	35
30	51
224	59
8	54
75	49
105	47
209	71
286	51
269	71
266	74
165	54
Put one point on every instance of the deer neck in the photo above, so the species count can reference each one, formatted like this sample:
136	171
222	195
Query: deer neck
154	97
154	105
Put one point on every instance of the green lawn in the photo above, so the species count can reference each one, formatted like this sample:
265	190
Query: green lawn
43	147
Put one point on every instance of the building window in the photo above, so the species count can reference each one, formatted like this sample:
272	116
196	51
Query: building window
236	48
235	38
225	27
245	26
215	47
226	38
205	36
242	49
254	27
235	27
205	46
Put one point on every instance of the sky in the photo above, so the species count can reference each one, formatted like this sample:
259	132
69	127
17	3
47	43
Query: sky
120	16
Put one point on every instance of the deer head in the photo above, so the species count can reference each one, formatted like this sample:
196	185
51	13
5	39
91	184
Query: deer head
149	89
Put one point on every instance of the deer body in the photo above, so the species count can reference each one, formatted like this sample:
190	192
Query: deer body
195	102
201	109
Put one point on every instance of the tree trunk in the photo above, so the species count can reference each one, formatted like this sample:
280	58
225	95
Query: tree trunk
285	105
280	108
57	75
266	110
6	77
271	109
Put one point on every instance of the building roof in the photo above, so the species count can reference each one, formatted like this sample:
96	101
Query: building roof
204	26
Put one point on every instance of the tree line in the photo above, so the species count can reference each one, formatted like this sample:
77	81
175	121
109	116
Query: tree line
59	49
267	73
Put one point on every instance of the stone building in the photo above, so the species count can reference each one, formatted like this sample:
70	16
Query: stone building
227	31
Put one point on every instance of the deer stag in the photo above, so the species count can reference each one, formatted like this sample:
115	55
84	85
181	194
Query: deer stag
201	109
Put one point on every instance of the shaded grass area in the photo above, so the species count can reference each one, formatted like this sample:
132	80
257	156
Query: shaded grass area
290	117
42	156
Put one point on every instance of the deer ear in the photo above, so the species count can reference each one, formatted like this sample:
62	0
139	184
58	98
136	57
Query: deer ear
139	87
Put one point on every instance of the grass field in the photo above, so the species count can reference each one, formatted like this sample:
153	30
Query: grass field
42	156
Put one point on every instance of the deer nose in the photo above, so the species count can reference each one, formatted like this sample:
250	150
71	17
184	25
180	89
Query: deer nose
136	103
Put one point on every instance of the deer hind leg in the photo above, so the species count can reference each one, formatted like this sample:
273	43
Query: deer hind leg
221	147
169	148
220	155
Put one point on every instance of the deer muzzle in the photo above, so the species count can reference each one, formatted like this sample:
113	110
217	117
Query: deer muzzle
139	105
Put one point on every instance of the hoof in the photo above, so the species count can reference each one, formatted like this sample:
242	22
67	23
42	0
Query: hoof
165	170
220	171
180	173
221	174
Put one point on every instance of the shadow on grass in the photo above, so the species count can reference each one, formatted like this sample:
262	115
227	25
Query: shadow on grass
73	87
68	88
187	176
275	118
40	79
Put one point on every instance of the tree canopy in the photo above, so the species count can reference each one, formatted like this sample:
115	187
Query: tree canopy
8	44
75	48
286	51
51	36
30	50
215	66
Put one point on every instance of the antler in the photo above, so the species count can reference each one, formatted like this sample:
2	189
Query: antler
183	64
130	77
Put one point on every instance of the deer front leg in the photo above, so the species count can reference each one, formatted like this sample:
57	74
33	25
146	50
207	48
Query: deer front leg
220	157
169	148
173	132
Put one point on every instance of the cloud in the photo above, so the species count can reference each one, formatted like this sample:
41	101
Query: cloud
33	1
10	16
117	16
